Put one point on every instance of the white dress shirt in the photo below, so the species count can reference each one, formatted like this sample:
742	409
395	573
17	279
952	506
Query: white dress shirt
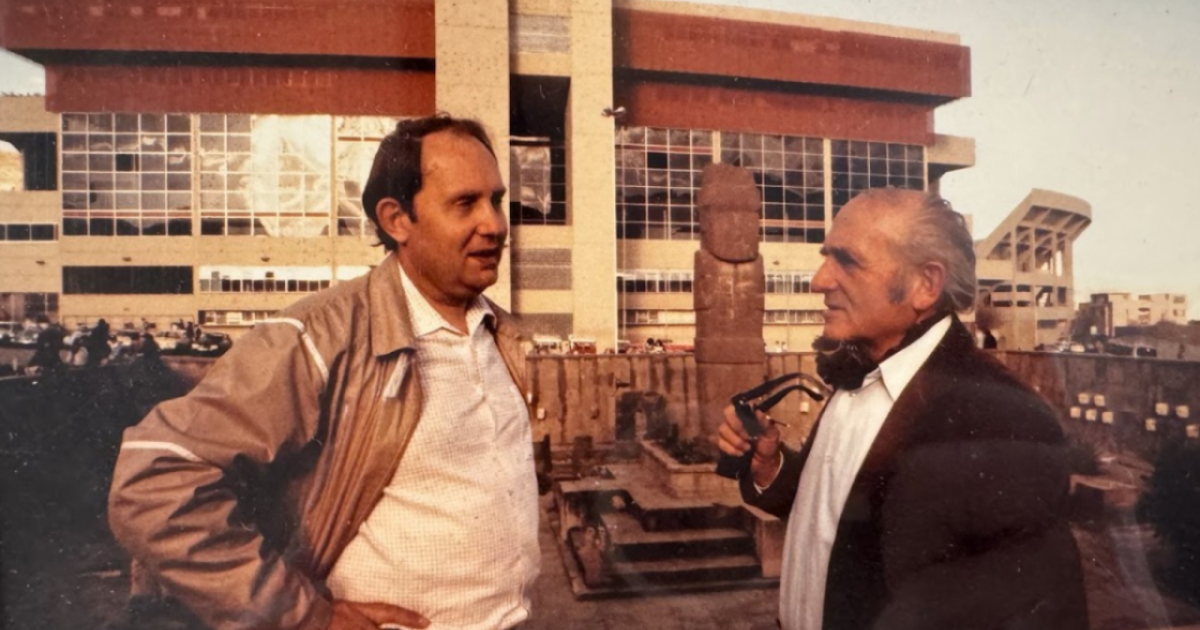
848	429
454	536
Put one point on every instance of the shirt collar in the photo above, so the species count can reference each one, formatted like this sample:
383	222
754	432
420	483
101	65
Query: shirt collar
900	368
426	320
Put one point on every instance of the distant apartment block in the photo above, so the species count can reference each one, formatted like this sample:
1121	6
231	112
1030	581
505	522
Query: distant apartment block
1108	312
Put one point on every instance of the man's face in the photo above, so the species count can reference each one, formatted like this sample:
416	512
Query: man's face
452	250
866	286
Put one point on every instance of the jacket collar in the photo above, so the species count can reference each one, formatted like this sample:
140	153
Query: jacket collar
391	324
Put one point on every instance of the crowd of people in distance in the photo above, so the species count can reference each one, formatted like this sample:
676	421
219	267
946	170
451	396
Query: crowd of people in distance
92	346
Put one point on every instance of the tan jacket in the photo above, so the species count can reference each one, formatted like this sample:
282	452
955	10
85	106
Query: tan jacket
241	495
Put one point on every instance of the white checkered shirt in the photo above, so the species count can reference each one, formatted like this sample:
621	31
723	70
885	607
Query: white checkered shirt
454	536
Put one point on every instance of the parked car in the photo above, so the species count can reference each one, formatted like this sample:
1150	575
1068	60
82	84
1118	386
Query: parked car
82	332
211	344
1131	350
580	345
169	340
19	336
8	331
546	344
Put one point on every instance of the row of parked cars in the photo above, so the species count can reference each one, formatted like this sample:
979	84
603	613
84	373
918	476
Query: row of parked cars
205	344
178	342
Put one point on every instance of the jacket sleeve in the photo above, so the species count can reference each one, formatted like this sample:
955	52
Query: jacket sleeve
975	534
777	498
172	504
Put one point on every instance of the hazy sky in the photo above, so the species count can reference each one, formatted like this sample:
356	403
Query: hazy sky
1099	99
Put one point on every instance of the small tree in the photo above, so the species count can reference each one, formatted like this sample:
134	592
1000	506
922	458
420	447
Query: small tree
1171	504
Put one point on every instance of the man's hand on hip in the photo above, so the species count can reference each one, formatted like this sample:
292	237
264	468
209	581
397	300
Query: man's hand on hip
732	439
372	616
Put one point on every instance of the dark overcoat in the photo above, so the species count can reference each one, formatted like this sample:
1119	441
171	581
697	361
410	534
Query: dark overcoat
956	518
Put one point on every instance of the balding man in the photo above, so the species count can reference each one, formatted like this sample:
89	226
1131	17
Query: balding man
931	492
366	459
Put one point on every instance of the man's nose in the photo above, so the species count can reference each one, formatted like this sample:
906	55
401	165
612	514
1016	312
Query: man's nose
823	282
492	222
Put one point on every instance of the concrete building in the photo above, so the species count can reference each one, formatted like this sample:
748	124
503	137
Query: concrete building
1109	311
203	159
1025	269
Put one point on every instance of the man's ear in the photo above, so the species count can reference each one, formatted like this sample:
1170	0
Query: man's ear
930	280
393	220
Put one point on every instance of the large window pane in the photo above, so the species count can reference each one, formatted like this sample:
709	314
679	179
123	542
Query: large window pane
263	175
111	162
859	165
658	176
790	173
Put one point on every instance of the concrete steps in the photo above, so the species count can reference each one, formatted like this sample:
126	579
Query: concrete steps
631	543
626	534
686	571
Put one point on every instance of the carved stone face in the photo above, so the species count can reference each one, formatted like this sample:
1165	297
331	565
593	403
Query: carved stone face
729	213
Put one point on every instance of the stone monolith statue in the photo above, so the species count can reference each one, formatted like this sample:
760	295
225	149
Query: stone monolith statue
728	291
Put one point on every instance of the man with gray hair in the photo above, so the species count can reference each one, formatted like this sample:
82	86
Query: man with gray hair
931	492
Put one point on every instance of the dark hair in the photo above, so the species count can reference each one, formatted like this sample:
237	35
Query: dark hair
396	172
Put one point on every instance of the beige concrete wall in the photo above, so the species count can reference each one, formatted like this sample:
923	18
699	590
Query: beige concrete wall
35	206
544	65
538	63
778	257
543	236
951	152
355	251
538	300
794	337
591	193
541	7
1015	328
472	81
644	254
118	309
988	269
192	251
667	301
656	254
29	268
26	114
541	301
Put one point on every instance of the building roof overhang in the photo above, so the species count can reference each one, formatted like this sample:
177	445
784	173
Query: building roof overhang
820	59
